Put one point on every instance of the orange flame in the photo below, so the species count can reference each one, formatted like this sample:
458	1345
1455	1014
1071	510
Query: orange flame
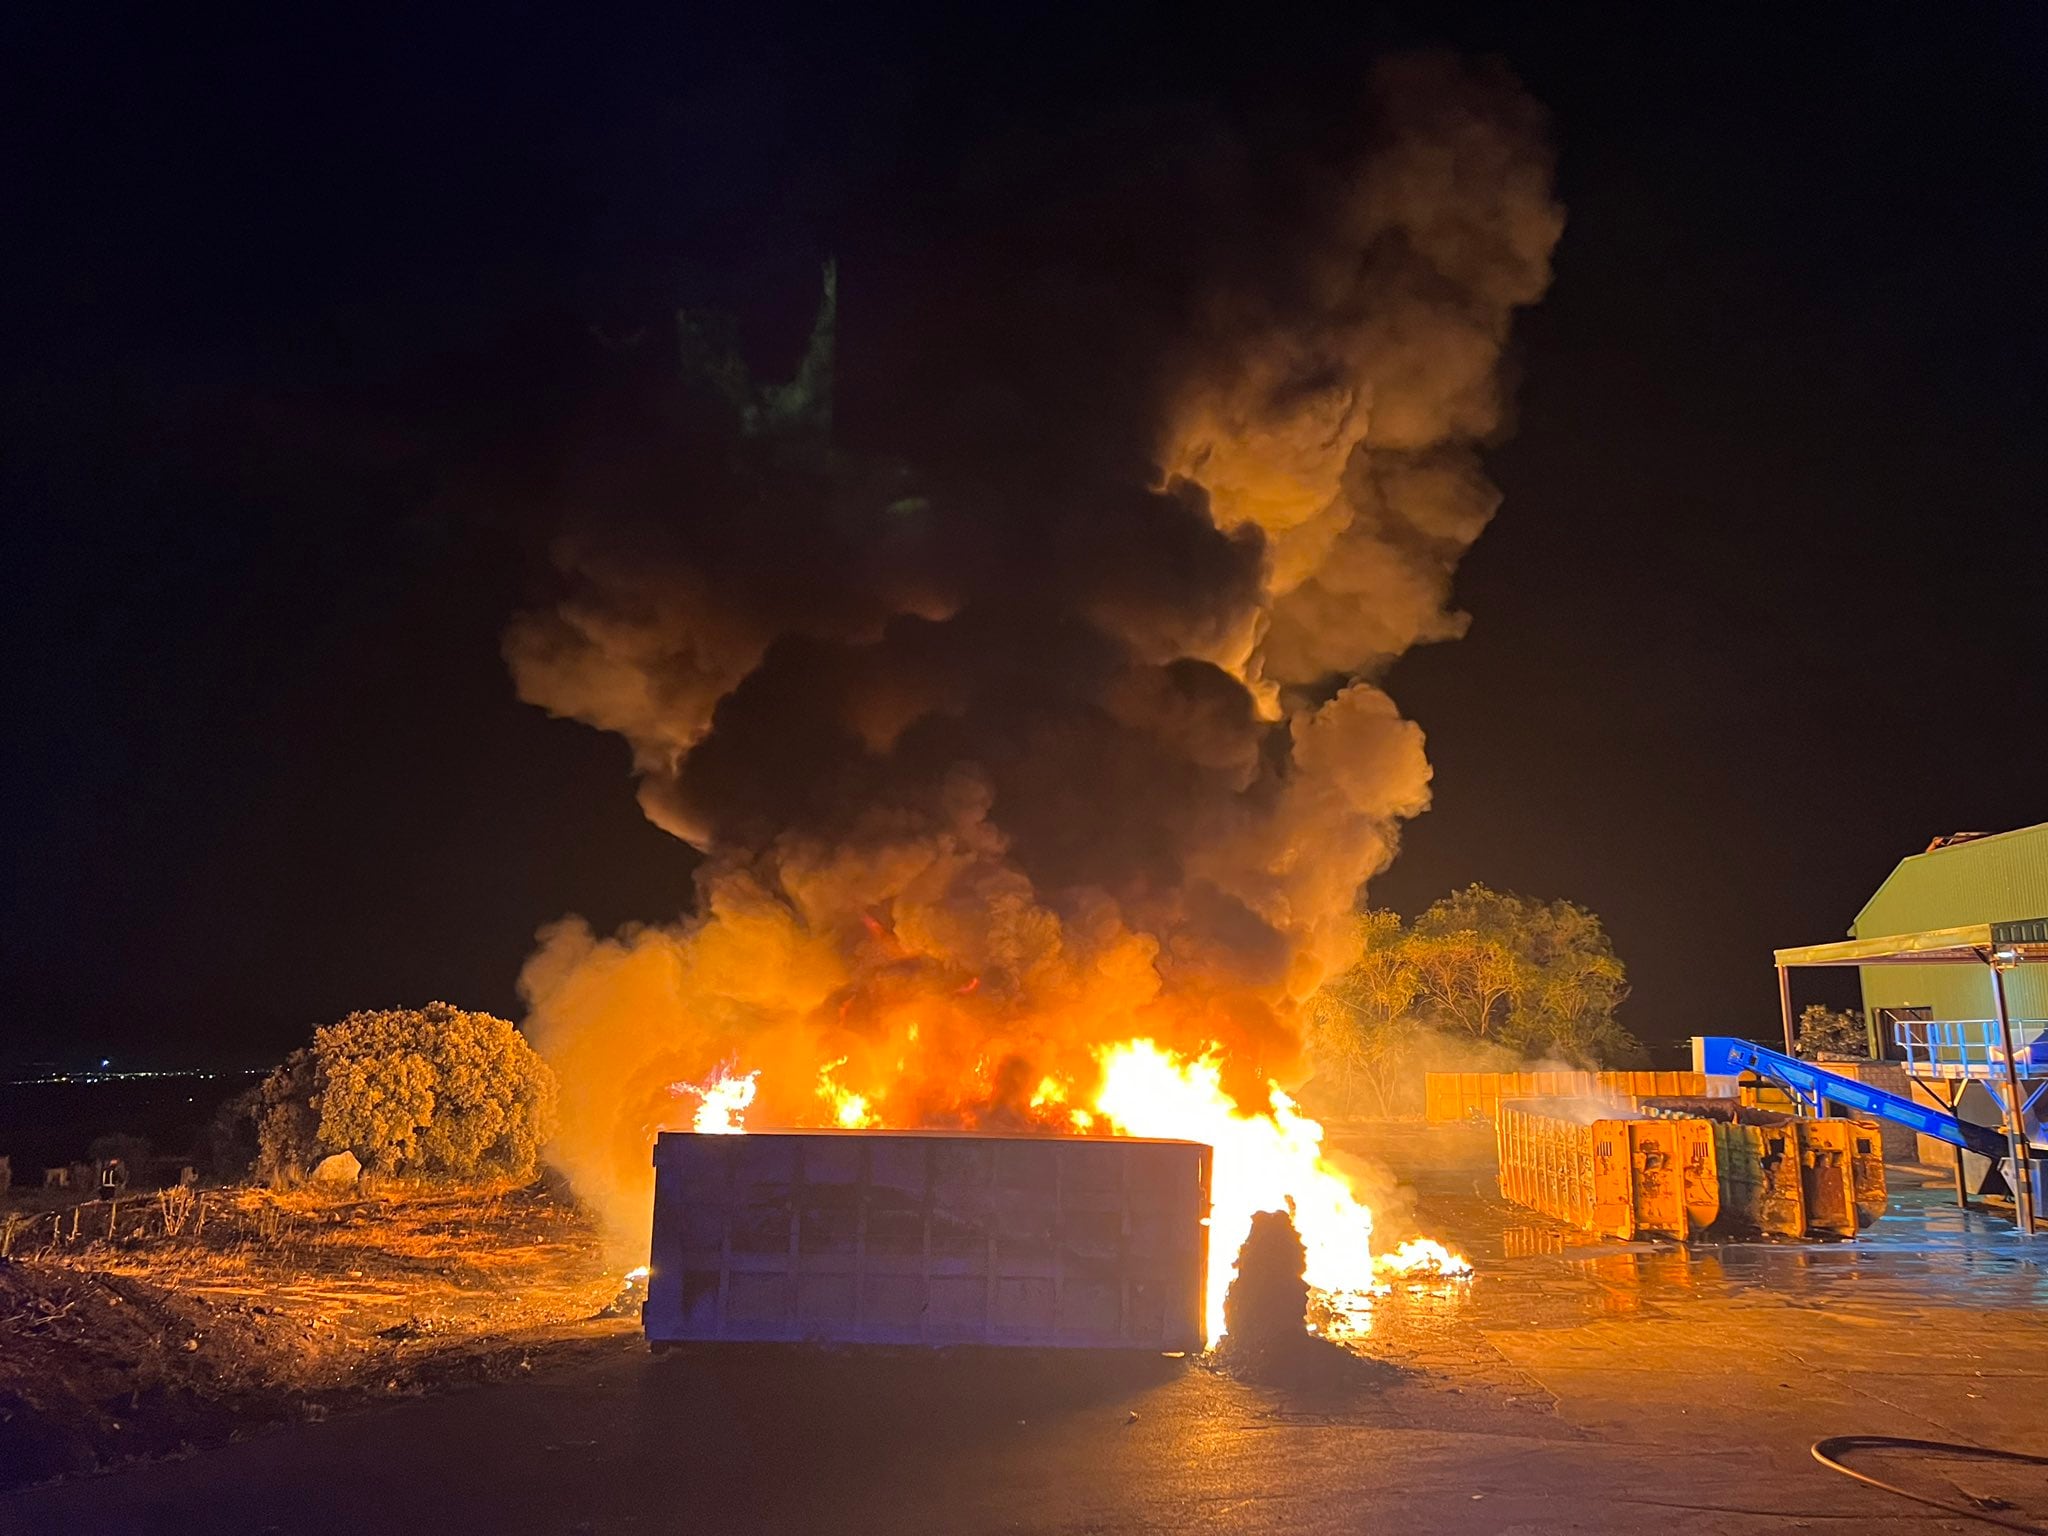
1422	1256
721	1103
850	1110
1264	1161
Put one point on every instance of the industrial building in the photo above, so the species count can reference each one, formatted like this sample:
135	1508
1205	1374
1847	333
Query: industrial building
1958	881
1950	952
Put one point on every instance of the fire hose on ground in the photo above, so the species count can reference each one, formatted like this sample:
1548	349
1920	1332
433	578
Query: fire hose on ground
1829	1451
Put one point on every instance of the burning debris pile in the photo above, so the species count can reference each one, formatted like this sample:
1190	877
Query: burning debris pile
1267	1304
1027	724
1280	1333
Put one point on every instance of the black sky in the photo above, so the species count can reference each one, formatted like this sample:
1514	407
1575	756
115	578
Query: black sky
290	304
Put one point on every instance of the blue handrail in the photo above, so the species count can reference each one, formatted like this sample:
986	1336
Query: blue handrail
1724	1054
1975	1047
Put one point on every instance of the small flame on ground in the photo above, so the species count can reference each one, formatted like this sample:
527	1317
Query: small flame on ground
635	1276
1423	1256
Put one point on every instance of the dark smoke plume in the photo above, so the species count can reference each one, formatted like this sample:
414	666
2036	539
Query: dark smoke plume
1031	707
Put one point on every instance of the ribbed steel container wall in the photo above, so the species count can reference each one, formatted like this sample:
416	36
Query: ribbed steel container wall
887	1237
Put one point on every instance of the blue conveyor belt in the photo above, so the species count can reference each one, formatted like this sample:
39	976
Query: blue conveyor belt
1724	1054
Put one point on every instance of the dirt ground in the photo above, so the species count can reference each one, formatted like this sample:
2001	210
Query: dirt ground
271	1308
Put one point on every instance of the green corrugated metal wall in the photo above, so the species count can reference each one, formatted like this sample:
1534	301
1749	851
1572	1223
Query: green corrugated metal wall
1986	880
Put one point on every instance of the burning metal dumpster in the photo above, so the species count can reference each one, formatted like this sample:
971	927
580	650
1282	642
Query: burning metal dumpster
929	1237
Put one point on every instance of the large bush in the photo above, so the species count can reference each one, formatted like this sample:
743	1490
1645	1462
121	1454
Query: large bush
1482	981
431	1092
1540	977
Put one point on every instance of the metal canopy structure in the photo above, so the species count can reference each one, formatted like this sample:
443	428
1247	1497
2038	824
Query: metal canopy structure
1998	947
1974	944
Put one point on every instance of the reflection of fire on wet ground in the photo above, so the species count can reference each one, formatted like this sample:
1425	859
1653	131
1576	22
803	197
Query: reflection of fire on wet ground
1524	1242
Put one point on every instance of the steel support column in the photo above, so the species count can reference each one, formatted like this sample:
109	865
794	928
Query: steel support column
1785	1005
1955	1104
2015	1106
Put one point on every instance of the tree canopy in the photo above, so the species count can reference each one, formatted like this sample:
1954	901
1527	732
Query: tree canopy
424	1092
1827	1032
1518	978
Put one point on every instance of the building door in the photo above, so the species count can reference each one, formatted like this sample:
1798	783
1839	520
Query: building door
1887	1021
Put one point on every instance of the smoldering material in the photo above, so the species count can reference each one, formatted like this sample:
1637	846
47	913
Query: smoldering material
1036	710
1266	1308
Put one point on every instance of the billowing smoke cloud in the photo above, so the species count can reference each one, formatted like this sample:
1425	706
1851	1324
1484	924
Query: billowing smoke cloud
1035	710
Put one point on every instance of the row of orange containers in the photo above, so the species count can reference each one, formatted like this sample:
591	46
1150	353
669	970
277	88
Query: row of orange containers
1454	1097
1627	1170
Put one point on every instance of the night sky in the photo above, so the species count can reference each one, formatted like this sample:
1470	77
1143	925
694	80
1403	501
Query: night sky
295	310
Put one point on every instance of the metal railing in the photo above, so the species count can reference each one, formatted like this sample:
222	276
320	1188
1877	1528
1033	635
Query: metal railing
1972	1046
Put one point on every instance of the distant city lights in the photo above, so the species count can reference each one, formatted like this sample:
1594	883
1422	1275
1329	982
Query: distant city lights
104	1076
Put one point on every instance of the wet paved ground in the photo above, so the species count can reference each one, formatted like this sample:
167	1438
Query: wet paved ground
1572	1386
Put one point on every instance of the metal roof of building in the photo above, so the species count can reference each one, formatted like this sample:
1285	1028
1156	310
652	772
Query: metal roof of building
1976	878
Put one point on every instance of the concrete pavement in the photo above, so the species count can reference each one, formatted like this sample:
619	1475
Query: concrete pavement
1571	1387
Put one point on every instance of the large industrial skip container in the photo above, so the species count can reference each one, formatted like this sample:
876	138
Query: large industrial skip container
929	1237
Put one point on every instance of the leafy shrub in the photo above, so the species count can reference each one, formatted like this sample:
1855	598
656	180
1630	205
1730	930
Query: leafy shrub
288	1118
1482	981
1825	1033
433	1092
